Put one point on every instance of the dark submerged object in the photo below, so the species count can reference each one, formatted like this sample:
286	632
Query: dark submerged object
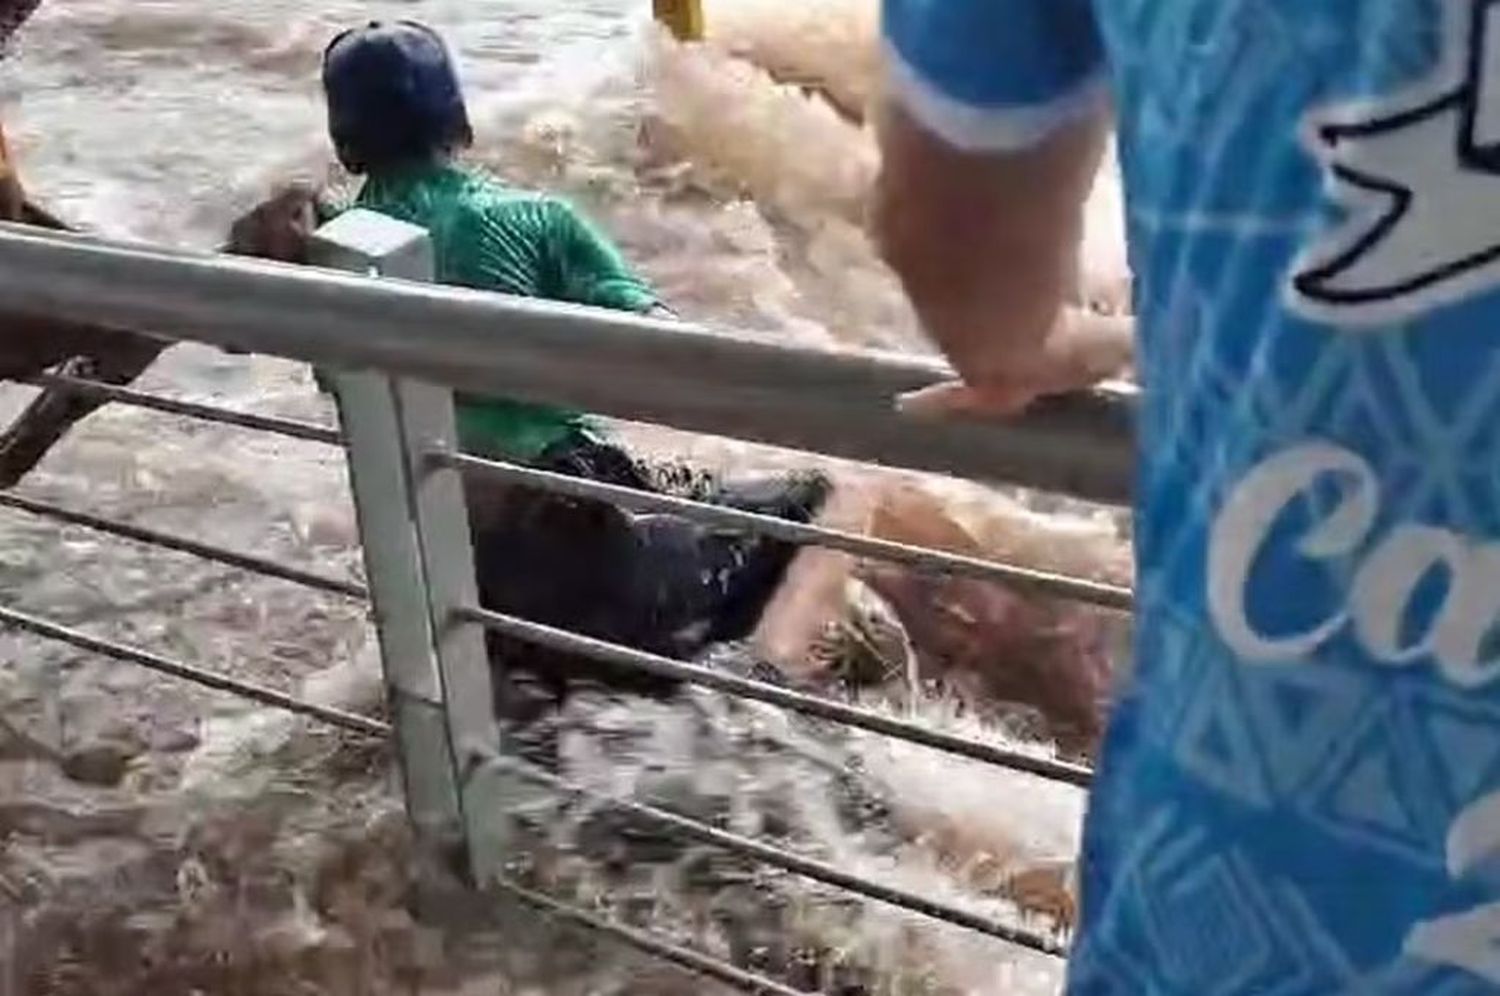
657	583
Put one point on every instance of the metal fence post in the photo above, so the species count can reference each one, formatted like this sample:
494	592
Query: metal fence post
414	530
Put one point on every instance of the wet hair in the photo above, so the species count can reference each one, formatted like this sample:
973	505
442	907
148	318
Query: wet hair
394	98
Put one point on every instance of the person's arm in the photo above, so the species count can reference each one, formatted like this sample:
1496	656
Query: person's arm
589	269
993	123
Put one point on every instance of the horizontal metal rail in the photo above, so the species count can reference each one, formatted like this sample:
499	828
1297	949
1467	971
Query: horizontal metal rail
187	672
705	965
779	857
175	406
1022	578
206	551
671	373
812	705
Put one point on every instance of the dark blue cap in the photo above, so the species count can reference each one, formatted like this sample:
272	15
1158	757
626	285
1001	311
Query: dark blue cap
393	96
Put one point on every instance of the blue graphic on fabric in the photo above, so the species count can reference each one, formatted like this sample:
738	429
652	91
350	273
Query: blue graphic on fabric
1310	188
1405	157
1300	791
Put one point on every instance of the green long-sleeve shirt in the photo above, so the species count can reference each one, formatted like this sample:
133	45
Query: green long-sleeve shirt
489	237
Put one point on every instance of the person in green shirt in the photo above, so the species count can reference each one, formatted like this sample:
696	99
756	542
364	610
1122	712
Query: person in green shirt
396	115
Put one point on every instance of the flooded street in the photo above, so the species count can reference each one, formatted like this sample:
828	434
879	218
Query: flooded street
160	838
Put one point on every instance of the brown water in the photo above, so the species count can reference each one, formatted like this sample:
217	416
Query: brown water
241	851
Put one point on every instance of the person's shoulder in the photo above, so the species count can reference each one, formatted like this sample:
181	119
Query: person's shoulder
493	199
483	188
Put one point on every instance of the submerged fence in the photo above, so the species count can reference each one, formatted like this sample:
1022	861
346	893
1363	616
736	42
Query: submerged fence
405	346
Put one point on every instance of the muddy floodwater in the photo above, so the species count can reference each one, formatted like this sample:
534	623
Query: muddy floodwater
159	838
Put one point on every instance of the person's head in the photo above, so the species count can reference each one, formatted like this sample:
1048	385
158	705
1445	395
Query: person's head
394	98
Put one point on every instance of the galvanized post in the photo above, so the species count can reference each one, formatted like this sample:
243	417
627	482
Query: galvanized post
448	560
414	530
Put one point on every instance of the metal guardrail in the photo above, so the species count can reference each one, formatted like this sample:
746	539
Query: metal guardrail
777	857
249	563
759	691
710	967
1044	583
192	409
405	469
199	676
835	403
196	548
